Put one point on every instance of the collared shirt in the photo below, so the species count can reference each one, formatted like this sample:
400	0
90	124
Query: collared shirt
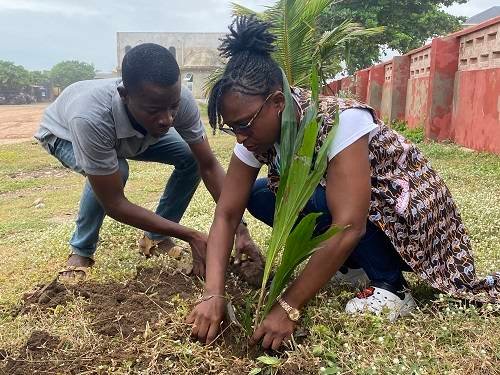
92	116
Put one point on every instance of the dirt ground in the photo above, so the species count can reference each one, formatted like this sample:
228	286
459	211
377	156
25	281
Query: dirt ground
128	310
18	123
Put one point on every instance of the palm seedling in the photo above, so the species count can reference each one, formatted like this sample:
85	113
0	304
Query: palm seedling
301	170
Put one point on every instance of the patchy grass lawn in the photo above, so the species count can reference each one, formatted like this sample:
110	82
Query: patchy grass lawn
129	317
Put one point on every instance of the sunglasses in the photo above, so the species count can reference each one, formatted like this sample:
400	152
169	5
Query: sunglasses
244	126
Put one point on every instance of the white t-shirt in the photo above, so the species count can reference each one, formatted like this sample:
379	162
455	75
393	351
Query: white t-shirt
354	123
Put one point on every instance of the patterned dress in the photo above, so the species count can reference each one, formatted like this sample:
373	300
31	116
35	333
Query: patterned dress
410	203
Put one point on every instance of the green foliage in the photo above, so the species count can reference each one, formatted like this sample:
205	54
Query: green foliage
13	77
408	25
300	175
300	42
16	77
39	77
415	135
271	366
67	72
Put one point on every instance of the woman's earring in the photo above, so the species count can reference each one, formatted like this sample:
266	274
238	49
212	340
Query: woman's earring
279	113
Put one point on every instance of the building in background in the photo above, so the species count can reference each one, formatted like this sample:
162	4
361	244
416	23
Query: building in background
486	15
196	53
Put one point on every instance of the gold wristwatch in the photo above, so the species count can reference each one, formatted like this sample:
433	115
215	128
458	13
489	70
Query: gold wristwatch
293	313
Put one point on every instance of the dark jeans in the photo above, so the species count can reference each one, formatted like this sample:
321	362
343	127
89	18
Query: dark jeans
374	252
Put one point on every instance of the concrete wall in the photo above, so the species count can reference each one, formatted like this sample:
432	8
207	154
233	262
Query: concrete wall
361	84
450	87
196	53
476	104
376	79
347	85
418	87
385	105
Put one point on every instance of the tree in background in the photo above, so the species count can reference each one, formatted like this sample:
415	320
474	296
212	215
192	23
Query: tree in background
67	72
13	77
408	25
40	77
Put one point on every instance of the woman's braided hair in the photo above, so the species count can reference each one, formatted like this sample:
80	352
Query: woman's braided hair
250	69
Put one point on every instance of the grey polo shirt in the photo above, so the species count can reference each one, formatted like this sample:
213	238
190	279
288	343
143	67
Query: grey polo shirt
92	116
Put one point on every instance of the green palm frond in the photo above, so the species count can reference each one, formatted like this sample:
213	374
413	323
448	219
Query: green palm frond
332	42
212	79
294	24
300	174
240	10
299	246
299	44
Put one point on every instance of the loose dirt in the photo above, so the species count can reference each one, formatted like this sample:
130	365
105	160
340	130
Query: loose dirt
18	123
124	311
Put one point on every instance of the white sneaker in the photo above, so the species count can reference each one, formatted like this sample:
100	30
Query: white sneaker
376	300
355	277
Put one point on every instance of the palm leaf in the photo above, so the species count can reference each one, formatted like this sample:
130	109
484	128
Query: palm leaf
300	245
298	43
240	10
299	178
212	79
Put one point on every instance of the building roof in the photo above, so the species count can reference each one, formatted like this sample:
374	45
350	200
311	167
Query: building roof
484	16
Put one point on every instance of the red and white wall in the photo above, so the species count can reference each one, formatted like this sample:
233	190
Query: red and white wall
450	87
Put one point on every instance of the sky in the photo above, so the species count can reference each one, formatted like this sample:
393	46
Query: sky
40	33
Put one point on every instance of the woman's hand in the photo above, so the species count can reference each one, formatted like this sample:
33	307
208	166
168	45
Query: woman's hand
275	329
206	318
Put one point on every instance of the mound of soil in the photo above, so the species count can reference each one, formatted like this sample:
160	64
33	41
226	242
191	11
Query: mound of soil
120	309
123	311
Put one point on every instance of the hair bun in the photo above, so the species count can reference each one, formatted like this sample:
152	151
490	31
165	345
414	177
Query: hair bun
248	34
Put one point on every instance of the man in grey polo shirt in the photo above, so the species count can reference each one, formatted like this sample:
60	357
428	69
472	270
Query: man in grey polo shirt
94	126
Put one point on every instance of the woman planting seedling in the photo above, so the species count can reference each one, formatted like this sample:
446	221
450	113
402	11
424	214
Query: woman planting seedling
395	212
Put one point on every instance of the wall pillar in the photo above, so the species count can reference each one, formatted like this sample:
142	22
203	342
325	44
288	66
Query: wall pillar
362	77
375	86
400	76
444	65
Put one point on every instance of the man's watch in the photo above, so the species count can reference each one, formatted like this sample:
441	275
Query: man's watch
292	312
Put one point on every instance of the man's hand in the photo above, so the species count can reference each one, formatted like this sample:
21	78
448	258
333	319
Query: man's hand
199	252
206	319
275	329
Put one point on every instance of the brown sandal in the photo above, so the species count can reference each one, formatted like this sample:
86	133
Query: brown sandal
149	247
77	273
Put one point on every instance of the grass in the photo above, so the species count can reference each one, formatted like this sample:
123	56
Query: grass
443	336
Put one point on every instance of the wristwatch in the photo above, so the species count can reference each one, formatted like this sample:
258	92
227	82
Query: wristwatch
293	313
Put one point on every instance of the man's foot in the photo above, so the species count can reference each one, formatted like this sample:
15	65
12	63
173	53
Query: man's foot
355	277
76	268
149	247
248	261
249	271
377	300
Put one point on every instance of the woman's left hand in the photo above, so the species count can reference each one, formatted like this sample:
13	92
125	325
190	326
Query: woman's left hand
275	329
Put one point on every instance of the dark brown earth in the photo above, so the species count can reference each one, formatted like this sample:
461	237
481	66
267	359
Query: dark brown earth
120	311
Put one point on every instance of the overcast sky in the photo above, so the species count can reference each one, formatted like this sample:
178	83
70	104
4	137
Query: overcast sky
40	33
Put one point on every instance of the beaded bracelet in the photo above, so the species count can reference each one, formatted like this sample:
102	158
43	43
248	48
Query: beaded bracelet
210	296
